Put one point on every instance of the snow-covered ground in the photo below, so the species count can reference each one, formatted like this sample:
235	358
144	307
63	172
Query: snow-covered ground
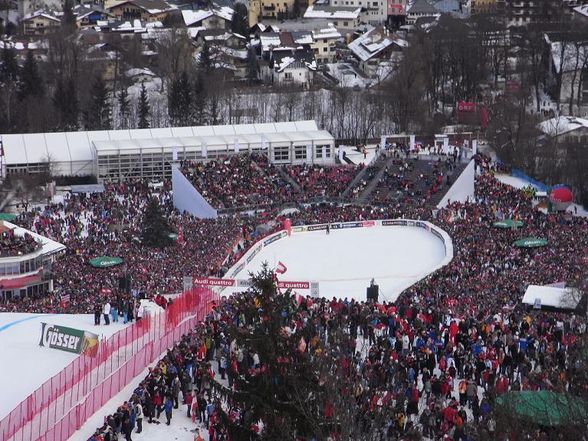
25	364
345	261
358	157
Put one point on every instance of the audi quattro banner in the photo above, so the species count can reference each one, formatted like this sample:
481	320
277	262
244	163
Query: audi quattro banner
282	284
67	339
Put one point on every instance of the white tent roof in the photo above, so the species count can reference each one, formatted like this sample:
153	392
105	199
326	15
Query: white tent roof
34	148
563	298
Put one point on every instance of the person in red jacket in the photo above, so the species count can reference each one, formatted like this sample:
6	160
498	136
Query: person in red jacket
188	399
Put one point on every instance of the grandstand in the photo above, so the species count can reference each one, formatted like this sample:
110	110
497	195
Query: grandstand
149	153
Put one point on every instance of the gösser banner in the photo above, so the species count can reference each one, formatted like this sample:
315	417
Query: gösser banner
67	339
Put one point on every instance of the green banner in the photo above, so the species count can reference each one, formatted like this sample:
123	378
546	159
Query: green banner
508	223
530	242
105	261
8	217
67	339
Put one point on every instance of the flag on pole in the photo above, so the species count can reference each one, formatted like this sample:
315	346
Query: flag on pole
281	268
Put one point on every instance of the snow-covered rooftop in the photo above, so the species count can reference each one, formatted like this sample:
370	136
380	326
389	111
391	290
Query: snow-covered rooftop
373	42
192	17
41	14
333	13
329	32
562	124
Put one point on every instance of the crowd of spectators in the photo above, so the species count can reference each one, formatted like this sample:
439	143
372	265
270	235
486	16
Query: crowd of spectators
12	244
237	181
437	358
318	181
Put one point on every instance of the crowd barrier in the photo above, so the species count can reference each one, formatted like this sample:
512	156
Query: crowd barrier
63	403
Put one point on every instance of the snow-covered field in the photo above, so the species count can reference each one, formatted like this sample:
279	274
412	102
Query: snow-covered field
345	261
25	364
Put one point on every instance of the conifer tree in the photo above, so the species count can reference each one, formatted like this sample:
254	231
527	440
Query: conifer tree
144	110
156	230
97	114
124	108
31	82
65	101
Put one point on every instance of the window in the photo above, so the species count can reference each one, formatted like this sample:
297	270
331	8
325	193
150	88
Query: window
345	23
300	152
318	151
325	49
281	153
288	75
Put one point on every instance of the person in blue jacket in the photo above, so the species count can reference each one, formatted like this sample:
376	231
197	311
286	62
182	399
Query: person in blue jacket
168	407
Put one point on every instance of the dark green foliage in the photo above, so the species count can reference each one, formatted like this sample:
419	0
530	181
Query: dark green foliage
65	101
240	23
31	83
144	110
97	114
156	230
180	101
205	61
124	108
8	66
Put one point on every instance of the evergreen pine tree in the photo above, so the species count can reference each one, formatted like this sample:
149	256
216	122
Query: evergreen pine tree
8	66
240	22
65	100
300	374
124	108
205	61
180	101
199	101
31	82
144	110
97	114
252	65
156	230
68	19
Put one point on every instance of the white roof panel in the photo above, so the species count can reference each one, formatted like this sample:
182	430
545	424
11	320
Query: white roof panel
285	127
14	149
306	125
140	134
563	298
36	147
164	132
203	131
58	147
182	131
115	135
265	128
79	146
224	130
277	137
98	135
244	128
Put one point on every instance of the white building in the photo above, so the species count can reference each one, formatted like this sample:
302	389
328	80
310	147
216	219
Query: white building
149	153
373	11
27	274
341	17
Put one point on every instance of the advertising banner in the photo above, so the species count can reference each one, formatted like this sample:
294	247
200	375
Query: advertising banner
67	339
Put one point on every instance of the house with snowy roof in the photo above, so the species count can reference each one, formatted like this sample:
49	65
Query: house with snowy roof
290	67
374	47
39	23
324	43
144	10
215	18
342	17
88	14
566	129
421	9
